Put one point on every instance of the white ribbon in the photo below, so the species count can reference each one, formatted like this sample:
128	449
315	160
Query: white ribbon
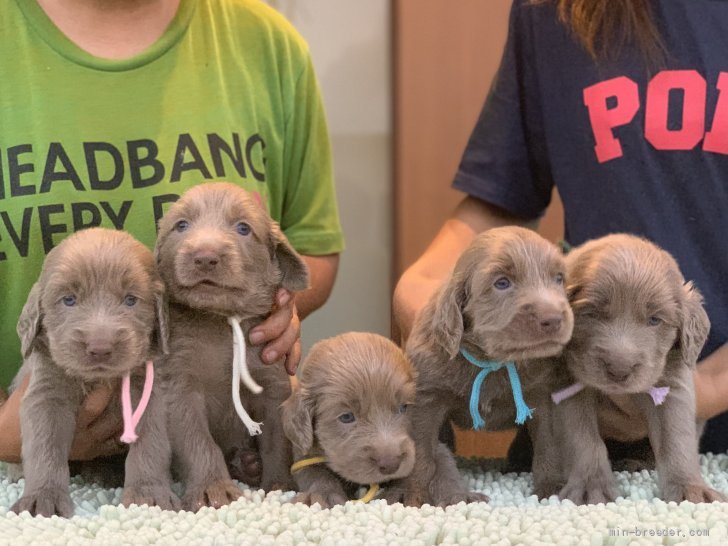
241	373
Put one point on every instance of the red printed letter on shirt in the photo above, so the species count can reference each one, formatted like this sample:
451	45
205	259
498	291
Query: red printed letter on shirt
604	119
693	112
716	140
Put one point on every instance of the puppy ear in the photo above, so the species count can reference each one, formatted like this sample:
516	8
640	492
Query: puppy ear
292	266
573	292
30	321
297	417
446	321
694	327
161	327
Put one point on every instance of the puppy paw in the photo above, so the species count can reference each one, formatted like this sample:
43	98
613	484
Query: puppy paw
458	497
325	499
408	496
151	495
544	489
215	495
592	490
392	494
46	502
245	466
692	492
277	483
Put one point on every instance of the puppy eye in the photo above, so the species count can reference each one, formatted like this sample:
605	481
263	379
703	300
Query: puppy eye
181	225
654	321
69	301
130	301
403	408
559	278
503	283
347	418
242	228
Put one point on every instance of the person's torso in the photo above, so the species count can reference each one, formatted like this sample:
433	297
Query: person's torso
86	141
645	151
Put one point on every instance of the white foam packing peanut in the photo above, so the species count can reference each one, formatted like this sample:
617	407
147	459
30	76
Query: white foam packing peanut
241	372
513	516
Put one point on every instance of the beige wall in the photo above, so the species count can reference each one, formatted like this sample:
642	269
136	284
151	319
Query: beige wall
351	50
446	54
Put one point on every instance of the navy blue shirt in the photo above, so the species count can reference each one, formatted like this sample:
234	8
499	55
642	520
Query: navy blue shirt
630	148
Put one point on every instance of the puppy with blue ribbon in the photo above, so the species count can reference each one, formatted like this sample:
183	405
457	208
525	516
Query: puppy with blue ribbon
475	347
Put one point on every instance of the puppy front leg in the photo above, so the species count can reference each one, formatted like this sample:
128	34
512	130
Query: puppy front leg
448	486
674	438
201	462
147	475
589	477
275	449
48	422
318	484
547	467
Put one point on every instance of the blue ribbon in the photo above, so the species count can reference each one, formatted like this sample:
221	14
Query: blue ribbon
523	412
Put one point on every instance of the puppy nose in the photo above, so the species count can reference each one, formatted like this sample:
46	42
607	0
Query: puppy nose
550	324
99	350
206	259
618	375
387	464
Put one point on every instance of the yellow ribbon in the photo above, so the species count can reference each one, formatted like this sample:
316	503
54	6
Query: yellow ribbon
303	463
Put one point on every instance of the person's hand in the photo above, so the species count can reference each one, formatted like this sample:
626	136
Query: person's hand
282	331
10	424
711	384
97	430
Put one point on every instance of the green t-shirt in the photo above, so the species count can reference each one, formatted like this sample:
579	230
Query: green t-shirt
227	93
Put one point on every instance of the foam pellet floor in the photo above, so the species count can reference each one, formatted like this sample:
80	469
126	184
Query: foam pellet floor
513	516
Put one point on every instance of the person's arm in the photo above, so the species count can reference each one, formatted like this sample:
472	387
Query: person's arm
322	272
10	425
97	432
711	384
420	280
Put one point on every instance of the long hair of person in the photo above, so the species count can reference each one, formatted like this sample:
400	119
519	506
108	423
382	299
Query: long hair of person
604	27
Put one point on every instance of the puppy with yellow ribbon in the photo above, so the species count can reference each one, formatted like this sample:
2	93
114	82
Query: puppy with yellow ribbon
347	419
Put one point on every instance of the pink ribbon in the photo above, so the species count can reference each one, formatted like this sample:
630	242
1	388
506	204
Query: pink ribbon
658	394
131	419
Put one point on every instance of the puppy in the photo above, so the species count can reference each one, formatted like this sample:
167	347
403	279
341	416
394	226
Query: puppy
220	255
639	326
88	319
505	301
350	408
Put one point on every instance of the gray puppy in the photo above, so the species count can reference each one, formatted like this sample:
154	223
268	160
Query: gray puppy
220	255
505	301
351	409
639	326
88	319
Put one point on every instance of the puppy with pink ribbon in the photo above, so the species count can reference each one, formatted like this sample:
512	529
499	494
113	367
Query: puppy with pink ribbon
95	315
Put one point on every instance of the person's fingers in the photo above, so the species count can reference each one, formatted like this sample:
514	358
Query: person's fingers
93	405
283	344
293	358
277	322
85	447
